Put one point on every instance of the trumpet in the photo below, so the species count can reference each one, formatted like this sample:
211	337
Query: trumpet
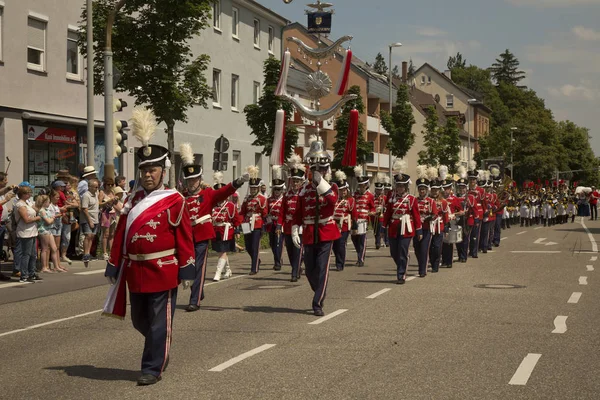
504	194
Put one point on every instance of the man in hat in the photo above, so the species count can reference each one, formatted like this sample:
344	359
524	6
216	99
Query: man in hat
289	207
365	208
87	174
254	212
274	217
316	206
455	207
487	232
200	201
428	212
476	216
379	199
344	215
153	251
439	225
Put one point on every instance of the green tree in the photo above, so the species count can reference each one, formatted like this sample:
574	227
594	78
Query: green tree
411	69
151	48
380	66
261	117
341	127
431	135
449	145
400	124
579	155
457	61
396	72
506	69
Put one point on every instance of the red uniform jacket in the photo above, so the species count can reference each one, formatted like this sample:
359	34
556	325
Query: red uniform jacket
428	211
257	207
442	217
480	205
225	214
153	242
344	213
200	206
454	203
402	216
274	216
470	207
365	204
306	214
491	203
380	202
288	209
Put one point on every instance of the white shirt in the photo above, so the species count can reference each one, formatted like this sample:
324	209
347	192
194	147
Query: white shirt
25	230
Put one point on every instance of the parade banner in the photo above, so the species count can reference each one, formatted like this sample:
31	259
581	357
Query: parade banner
54	135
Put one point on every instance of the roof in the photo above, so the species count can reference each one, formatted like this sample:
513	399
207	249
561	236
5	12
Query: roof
267	10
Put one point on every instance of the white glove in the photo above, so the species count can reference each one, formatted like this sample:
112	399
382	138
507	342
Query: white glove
186	284
245	177
316	177
111	280
296	237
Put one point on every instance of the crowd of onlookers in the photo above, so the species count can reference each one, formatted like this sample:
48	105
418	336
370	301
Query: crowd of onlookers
75	217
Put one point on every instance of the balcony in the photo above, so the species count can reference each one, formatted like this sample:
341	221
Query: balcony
380	160
374	125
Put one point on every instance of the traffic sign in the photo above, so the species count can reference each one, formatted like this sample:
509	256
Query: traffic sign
222	144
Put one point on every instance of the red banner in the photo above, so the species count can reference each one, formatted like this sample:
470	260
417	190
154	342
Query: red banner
54	135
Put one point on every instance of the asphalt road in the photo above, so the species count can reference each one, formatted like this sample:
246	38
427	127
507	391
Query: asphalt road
521	322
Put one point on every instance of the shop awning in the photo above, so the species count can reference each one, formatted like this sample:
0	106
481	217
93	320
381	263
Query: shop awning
59	119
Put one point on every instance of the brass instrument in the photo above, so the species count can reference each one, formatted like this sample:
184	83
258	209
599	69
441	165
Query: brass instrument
506	188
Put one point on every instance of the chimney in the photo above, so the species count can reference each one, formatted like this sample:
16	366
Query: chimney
448	74
404	72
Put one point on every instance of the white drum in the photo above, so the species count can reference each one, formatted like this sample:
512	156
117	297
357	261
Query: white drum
455	233
362	227
246	229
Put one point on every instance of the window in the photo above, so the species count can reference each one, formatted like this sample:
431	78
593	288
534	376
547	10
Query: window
423	79
36	44
236	164
449	101
255	92
216	88
429	79
235	22
217	15
235	89
256	33
271	39
73	59
1	21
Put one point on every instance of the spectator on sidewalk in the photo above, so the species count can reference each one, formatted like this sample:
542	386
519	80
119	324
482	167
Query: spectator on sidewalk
57	212
6	195
46	227
594	196
121	182
89	219
25	251
88	174
70	219
108	215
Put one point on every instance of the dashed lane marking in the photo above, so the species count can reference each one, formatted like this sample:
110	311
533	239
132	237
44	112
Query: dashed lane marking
534	252
560	324
56	321
539	227
328	317
594	258
524	371
241	357
589	267
574	299
376	294
504	238
410	278
590	236
520	233
583	280
92	272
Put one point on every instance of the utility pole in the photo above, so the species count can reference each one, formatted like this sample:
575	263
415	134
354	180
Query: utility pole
109	166
90	84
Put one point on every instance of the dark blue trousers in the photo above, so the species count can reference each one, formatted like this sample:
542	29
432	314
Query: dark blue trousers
276	244
399	252
484	237
360	244
252	243
379	233
197	288
294	254
422	250
448	253
316	260
435	251
463	247
498	230
339	249
474	238
152	316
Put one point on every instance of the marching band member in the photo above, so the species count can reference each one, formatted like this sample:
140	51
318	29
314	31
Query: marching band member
201	199
225	219
365	207
152	251
290	204
499	206
379	199
428	212
440	220
254	211
387	191
468	204
491	199
273	226
316	205
477	208
403	220
344	215
455	206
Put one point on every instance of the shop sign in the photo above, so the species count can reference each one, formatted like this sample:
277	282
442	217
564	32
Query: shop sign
54	135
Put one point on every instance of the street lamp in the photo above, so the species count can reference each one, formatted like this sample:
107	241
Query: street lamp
391	46
469	102
514	128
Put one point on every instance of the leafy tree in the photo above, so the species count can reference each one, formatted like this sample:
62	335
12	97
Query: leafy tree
506	69
151	46
395	72
380	66
261	117
341	127
457	61
579	155
431	134
400	124
411	69
449	145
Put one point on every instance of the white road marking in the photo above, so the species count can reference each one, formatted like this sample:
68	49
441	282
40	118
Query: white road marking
225	280
560	324
524	371
93	272
328	317
410	278
504	238
520	233
539	227
534	252
241	357
590	267
583	280
590	236
56	321
574	299
13	284
382	291
550	243
594	258
539	241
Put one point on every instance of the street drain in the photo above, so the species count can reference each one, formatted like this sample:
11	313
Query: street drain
500	286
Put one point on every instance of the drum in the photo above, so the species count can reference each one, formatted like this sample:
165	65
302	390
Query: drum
362	227
455	234
246	228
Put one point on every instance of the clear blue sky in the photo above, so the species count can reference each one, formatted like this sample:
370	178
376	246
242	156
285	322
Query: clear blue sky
556	41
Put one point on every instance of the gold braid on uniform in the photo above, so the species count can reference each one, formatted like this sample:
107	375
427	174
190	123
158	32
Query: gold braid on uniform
176	223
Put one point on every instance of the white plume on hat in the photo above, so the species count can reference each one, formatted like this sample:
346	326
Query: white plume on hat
421	171
472	165
495	172
432	173
480	174
187	154
277	173
486	175
380	177
327	176
340	175
443	171
358	170
399	166
462	172
387	180
252	170
218	177
143	125
295	161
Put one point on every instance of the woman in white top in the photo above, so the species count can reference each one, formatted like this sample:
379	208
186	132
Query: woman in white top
25	251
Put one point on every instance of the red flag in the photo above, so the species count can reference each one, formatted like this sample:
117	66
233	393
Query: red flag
344	73
349	159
